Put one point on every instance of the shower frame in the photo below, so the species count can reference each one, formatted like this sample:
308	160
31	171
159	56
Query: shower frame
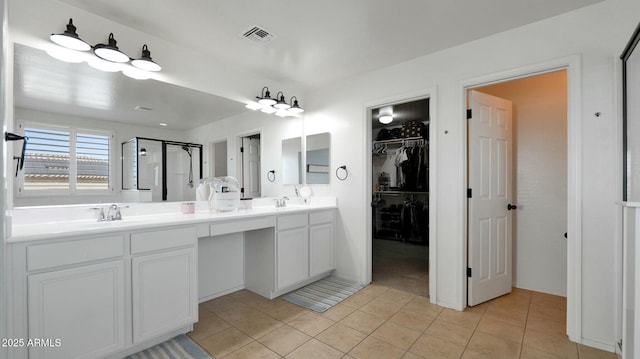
164	160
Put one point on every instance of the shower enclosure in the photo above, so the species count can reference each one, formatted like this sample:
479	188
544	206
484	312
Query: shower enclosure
170	170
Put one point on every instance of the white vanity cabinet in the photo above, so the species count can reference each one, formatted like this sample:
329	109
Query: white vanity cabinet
164	281
76	298
305	248
321	242
292	250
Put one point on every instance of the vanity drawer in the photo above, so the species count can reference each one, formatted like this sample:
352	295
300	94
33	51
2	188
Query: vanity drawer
169	238
243	225
320	217
293	221
73	252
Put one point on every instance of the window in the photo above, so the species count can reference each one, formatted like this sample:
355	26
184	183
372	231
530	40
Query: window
59	159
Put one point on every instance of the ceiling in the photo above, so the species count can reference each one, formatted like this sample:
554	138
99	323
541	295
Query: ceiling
318	42
417	110
46	84
314	43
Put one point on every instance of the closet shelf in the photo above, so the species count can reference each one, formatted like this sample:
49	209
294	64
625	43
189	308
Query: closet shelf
400	192
398	140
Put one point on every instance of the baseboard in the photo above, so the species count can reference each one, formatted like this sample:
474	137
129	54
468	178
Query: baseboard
599	345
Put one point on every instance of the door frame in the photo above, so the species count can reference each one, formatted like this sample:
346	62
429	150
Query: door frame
572	65
431	94
239	162
211	155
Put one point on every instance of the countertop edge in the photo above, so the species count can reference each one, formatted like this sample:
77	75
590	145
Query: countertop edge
159	220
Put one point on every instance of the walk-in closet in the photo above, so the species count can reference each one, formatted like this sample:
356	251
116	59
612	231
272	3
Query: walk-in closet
400	198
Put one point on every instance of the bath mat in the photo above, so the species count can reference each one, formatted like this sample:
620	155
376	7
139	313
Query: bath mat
180	347
323	294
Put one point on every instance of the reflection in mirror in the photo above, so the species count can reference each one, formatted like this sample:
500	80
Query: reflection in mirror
292	161
157	170
51	92
318	151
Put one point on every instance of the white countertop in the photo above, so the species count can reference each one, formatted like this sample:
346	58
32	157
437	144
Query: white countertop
28	224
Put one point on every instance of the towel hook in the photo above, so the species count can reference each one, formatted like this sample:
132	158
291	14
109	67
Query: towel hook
271	176
342	175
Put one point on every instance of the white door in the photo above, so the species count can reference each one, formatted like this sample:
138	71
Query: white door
490	176
251	167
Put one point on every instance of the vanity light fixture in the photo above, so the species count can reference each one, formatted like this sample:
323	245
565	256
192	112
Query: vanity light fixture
281	104
277	106
265	97
70	39
66	55
295	108
110	51
107	57
269	109
145	62
104	65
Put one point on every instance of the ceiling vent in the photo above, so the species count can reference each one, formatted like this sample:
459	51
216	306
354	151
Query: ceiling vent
257	34
142	108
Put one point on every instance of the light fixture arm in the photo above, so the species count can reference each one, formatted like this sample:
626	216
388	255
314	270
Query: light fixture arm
265	92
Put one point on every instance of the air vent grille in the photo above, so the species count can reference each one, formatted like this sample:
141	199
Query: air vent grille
257	34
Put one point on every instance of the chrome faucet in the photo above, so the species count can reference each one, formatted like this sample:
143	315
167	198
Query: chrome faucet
281	202
113	213
116	215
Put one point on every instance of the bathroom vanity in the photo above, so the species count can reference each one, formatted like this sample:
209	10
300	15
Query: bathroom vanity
109	289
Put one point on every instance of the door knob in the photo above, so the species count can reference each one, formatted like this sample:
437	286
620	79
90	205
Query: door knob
511	206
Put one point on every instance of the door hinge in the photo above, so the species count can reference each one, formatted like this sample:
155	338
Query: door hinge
241	149
468	272
469	193
468	114
242	190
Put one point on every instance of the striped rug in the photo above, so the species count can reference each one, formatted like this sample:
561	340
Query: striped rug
323	294
180	347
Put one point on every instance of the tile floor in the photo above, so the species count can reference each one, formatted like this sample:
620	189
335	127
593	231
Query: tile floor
382	322
402	266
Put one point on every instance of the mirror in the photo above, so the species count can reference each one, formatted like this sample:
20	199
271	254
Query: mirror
317	155
631	119
292	161
51	92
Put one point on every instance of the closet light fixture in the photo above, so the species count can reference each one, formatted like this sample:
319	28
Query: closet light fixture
145	62
69	39
110	51
386	115
265	97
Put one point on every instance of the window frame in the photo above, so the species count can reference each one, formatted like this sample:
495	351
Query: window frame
73	173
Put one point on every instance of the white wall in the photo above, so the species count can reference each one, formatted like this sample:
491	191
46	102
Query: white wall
540	162
597	35
122	133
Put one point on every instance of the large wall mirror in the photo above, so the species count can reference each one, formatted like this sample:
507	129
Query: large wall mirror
317	158
292	160
631	119
75	95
